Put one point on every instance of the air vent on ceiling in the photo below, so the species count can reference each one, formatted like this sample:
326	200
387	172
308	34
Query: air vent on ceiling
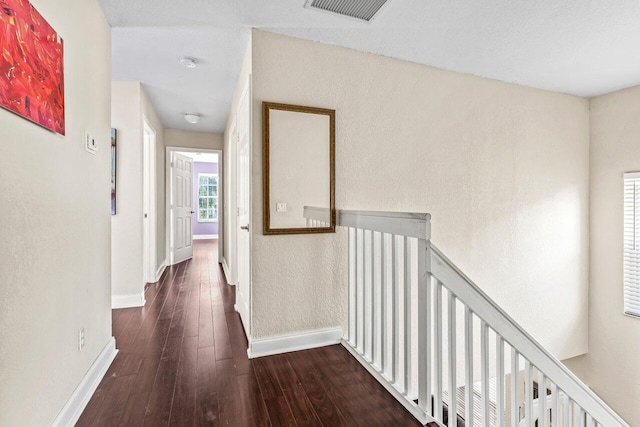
364	10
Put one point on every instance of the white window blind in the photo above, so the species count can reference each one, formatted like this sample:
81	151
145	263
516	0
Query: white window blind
632	243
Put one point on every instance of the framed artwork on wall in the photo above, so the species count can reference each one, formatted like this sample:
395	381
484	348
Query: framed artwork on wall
114	144
31	66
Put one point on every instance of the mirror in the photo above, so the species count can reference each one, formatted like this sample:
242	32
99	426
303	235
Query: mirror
298	169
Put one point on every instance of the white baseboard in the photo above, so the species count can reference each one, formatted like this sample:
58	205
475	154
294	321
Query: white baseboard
160	270
72	410
227	274
205	236
286	343
126	301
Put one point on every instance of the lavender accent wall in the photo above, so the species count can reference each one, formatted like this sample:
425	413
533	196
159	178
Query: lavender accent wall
200	228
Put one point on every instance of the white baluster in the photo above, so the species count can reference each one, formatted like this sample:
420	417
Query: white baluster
424	327
408	368
555	410
500	381
452	359
395	274
437	350
542	400
367	294
528	393
515	401
580	416
566	411
468	350
590	422
361	295
383	302
374	306
352	287
484	360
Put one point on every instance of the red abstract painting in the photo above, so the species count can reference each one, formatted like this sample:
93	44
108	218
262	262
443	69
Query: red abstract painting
31	65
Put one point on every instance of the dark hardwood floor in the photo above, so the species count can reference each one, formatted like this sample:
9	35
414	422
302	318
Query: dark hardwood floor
183	361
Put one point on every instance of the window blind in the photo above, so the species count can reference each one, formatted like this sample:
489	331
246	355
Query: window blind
632	243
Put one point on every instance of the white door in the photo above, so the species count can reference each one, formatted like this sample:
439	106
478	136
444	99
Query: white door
244	208
182	207
149	224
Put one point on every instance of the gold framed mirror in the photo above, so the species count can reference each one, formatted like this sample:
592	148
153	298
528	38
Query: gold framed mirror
298	170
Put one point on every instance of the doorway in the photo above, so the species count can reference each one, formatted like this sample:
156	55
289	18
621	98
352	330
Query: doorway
149	215
194	200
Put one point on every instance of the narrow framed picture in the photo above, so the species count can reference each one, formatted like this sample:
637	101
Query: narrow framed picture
114	145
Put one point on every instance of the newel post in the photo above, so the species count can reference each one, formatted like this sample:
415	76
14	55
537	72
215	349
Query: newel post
424	319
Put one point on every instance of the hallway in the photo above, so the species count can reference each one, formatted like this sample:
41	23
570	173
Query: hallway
183	361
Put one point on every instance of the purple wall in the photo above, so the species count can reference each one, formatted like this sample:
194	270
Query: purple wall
200	228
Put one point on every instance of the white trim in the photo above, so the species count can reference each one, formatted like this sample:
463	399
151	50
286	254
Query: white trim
149	188
217	197
631	175
286	343
160	270
227	272
78	400
221	197
205	237
126	301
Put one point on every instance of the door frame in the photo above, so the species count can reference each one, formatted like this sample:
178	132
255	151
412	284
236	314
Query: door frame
169	150
149	200
245	94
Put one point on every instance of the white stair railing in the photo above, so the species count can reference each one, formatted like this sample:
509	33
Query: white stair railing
405	299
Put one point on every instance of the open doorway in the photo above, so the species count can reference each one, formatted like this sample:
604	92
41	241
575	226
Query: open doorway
194	200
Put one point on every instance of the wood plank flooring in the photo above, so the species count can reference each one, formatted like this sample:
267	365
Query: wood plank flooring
183	362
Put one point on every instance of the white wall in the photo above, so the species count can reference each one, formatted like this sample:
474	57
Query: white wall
129	103
54	229
230	223
189	139
126	226
150	113
612	365
503	169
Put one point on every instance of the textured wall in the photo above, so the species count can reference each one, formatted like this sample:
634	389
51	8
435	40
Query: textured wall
129	104
503	169
154	120
183	138
126	225
200	228
54	229
611	366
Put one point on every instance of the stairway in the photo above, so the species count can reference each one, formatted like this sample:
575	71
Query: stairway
407	301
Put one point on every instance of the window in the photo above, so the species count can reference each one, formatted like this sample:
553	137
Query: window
632	244
207	197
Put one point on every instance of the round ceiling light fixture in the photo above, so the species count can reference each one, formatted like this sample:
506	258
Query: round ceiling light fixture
188	62
192	118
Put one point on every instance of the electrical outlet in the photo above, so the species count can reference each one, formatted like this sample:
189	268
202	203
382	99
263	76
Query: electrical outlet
281	207
90	143
80	339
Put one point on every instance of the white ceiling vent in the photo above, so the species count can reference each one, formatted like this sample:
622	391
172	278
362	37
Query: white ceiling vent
364	10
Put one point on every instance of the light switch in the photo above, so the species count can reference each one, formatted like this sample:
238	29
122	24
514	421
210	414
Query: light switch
281	207
90	143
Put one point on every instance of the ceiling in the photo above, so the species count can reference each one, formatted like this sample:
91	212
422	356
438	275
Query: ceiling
581	47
